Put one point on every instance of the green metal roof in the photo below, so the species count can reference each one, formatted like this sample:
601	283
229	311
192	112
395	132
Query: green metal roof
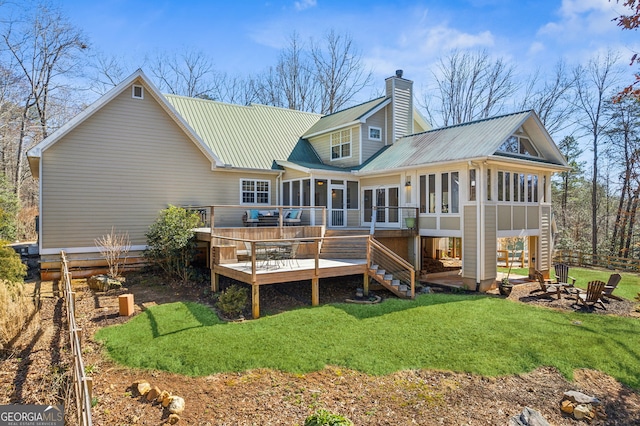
475	139
340	118
245	136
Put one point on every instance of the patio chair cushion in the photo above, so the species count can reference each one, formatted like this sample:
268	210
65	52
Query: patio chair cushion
293	214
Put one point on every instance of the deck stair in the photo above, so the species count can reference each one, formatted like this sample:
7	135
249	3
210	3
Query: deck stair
390	270
344	247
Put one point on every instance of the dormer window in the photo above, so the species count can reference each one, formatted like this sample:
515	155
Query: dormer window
341	144
519	145
137	92
375	133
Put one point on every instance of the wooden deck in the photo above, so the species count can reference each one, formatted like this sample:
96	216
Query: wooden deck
265	273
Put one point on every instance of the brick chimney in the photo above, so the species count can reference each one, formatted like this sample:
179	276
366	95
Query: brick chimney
400	91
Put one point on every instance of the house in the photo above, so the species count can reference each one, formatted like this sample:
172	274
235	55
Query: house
376	166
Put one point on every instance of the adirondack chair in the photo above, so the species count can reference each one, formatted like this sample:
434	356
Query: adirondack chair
562	275
548	289
592	295
614	279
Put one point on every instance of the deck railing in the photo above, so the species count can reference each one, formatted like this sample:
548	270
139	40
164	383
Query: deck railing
82	384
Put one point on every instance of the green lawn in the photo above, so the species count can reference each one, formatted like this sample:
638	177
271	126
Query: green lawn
628	288
474	333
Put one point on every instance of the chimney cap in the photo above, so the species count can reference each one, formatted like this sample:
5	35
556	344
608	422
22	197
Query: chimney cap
399	73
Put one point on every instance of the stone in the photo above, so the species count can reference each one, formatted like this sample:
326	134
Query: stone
567	406
581	398
581	411
176	405
153	393
173	419
103	283
143	388
528	417
163	398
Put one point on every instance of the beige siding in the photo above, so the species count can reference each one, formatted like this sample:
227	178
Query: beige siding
353	217
380	181
470	243
504	218
370	147
450	223
322	145
544	256
119	168
428	222
519	217
490	243
533	217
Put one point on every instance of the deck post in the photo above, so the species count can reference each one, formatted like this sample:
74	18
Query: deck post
315	291
365	284
215	281
255	301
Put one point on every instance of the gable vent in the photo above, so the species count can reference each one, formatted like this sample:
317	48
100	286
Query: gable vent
137	92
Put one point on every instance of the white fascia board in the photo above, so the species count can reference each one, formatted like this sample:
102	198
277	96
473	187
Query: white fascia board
395	170
366	116
524	163
76	250
293	166
333	129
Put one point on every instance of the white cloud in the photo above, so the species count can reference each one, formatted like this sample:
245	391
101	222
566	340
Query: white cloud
536	47
305	4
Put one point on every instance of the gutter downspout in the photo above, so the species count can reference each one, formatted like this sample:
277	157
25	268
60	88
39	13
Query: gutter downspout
278	184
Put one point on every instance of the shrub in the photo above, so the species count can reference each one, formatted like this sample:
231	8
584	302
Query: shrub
171	242
114	248
326	418
11	267
233	300
16	308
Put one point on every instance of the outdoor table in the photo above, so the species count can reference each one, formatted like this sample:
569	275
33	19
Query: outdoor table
274	252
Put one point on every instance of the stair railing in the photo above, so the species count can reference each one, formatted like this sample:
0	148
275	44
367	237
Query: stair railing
379	254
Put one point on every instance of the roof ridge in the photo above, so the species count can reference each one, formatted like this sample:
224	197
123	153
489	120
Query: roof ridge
250	106
466	123
355	106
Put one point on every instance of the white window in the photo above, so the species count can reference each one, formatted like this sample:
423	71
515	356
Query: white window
341	144
254	191
375	133
519	145
517	187
137	92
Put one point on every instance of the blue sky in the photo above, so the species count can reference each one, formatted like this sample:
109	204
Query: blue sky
245	36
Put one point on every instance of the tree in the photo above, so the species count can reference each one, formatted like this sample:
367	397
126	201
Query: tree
469	86
339	71
42	50
571	150
8	210
594	84
295	77
630	22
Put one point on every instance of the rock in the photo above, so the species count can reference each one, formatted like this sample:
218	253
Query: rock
176	405
153	393
143	388
163	398
103	283
582	411
580	398
173	419
567	406
528	417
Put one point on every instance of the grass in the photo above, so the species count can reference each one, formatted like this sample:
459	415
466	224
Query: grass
471	333
629	286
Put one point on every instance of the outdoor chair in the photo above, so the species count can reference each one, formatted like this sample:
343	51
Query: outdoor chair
292	217
548	289
612	284
293	253
592	295
562	275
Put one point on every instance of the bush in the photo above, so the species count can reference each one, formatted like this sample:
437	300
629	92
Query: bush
171	242
114	248
8	210
11	267
233	300
326	418
16	308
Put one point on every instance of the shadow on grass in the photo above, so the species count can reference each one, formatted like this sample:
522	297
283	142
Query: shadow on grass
388	306
203	315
